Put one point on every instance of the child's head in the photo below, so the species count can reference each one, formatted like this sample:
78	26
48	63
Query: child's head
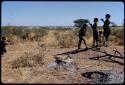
100	32
3	38
84	25
107	16
95	19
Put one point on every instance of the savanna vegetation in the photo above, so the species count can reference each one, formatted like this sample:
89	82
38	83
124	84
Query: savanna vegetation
32	50
57	37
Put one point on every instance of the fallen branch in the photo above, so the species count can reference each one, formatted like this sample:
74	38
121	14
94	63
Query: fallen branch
111	55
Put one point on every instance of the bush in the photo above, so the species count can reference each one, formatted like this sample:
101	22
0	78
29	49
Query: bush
24	33
28	60
67	39
117	36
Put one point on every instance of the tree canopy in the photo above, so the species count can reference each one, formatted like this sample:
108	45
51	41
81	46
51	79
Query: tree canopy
79	22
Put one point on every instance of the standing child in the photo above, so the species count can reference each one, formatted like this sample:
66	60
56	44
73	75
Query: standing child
106	28
3	45
95	32
100	38
82	33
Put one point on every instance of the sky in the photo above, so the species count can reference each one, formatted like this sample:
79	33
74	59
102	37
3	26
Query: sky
58	13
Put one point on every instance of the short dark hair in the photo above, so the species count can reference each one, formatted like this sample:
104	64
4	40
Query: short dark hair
84	25
3	38
95	19
107	16
100	32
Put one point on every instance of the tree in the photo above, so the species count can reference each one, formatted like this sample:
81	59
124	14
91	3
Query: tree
79	22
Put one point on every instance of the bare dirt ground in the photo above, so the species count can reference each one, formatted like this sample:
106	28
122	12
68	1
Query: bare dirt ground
91	64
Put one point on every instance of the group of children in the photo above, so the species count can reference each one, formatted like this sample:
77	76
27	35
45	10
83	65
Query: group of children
97	36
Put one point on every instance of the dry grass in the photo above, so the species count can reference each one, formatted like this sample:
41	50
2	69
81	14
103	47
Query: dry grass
63	39
60	38
30	66
26	61
117	36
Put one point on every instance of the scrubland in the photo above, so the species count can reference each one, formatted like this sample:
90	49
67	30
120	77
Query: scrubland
31	51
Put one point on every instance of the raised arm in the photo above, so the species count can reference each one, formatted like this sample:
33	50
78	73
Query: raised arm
90	24
102	20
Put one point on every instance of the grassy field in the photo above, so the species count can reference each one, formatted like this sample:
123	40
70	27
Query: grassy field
32	50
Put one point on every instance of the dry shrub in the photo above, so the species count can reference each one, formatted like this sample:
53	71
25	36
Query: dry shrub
89	37
61	39
67	39
89	41
113	40
64	39
117	36
50	39
58	37
14	39
31	35
28	60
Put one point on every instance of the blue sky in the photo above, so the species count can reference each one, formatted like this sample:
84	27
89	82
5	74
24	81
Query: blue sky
58	13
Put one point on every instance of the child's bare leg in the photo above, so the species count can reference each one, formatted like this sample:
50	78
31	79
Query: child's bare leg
85	42
79	44
93	42
106	41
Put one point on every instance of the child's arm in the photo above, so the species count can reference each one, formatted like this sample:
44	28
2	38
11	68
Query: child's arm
102	20
90	24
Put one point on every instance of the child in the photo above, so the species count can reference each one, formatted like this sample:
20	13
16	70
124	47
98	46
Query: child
82	33
106	28
95	32
100	38
3	45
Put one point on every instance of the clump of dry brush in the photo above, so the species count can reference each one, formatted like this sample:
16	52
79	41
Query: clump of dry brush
30	59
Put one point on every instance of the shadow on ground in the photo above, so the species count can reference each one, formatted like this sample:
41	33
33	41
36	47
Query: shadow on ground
108	57
74	51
